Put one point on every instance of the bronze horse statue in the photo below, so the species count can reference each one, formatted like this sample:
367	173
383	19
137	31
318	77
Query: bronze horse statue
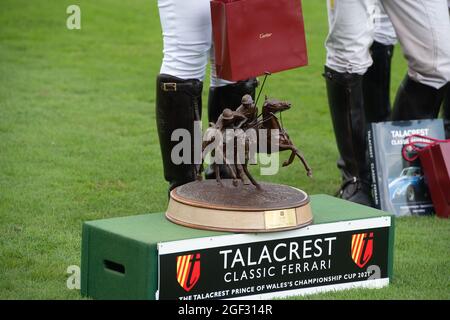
265	125
271	122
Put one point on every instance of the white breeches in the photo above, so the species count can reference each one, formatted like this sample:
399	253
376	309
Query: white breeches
383	32
187	38
422	27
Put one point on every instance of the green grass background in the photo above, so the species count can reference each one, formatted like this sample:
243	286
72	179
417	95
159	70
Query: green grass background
78	142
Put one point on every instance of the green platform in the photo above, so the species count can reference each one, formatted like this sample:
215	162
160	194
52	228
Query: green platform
119	255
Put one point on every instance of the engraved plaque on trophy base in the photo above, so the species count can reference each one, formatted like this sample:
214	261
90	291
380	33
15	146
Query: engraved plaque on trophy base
243	208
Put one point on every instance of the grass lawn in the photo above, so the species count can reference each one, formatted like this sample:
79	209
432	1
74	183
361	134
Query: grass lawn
78	142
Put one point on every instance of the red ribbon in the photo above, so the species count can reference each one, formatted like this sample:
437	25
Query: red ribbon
415	145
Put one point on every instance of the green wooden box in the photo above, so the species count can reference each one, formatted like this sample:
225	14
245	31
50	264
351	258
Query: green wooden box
120	257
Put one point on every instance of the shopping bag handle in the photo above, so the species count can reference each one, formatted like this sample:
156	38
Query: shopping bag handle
415	145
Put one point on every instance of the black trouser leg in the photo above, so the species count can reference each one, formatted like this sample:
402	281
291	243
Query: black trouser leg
178	105
377	82
345	98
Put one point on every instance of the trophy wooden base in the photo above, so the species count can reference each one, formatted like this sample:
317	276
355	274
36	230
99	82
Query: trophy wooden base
243	208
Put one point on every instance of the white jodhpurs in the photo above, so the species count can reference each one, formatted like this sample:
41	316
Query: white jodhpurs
422	28
383	32
187	38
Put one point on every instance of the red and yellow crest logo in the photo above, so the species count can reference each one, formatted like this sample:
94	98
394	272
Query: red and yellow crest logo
362	248
188	270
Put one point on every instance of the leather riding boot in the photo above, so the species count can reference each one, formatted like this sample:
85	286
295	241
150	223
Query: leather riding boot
228	96
345	98
376	83
446	107
178	105
415	101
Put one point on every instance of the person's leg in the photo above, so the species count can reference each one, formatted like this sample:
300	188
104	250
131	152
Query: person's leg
377	79
423	30
446	112
350	36
446	104
186	27
186	30
178	106
377	83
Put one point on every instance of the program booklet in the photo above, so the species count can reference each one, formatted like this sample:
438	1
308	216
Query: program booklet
399	186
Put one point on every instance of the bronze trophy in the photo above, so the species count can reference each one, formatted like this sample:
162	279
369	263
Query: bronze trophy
241	204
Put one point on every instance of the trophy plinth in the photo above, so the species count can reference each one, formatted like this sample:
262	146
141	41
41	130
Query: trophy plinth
243	208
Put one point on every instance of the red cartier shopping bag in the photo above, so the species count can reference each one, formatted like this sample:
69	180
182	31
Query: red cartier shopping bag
434	155
252	37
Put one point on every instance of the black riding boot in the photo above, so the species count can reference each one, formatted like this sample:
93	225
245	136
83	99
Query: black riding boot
446	108
376	84
178	105
347	113
228	96
417	101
